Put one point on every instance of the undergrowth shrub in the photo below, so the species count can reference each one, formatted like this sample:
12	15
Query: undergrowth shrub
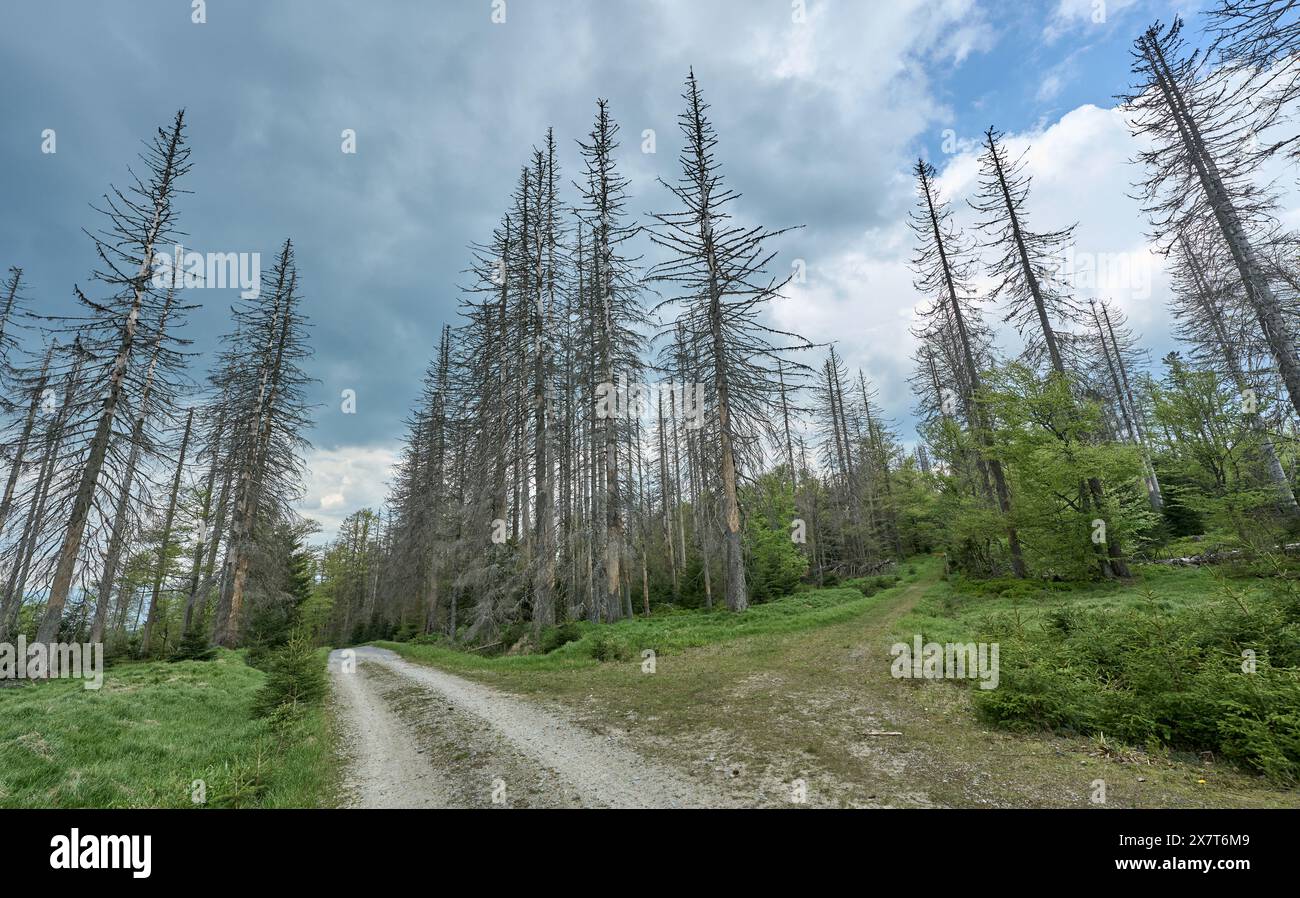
554	637
428	639
1223	677
194	647
606	646
869	586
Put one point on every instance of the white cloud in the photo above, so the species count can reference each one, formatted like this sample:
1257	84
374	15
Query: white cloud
863	297
343	480
1070	15
1049	88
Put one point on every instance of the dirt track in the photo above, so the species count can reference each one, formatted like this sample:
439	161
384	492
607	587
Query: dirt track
418	737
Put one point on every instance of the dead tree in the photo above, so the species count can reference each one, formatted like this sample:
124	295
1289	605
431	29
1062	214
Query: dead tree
942	267
718	271
140	223
1199	164
164	539
616	314
1024	274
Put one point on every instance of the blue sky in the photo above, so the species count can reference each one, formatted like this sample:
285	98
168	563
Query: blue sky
818	121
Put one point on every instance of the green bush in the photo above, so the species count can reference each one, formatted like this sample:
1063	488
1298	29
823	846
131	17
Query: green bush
295	678
194	647
869	586
554	637
510	636
1182	679
605	646
427	639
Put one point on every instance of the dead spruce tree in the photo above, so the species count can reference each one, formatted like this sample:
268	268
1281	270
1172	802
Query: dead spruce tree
1257	44
266	414
484	364
1116	345
1208	314
19	438
546	287
1024	274
13	315
212	432
1200	166
616	316
418	498
140	223
717	269
942	267
852	546
58	453
163	359
164	538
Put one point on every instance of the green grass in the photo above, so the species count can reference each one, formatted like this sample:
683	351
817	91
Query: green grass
960	609
152	730
670	630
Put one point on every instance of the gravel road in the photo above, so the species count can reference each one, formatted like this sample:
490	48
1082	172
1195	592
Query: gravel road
415	736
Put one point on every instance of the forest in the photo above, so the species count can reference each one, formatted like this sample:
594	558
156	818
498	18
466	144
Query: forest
524	497
614	428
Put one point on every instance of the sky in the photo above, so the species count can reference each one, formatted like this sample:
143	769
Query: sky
820	106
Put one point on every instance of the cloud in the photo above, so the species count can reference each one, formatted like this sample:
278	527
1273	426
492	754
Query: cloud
344	479
863	296
1074	15
1049	88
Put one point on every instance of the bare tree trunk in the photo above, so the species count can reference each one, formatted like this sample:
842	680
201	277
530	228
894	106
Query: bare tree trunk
1124	398
205	523
1281	483
1114	551
118	533
972	374
117	537
226	628
81	505
1156	493
20	451
76	529
17	584
1260	294
737	594
164	541
667	500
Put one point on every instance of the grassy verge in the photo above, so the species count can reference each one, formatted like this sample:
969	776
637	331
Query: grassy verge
669	631
152	730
